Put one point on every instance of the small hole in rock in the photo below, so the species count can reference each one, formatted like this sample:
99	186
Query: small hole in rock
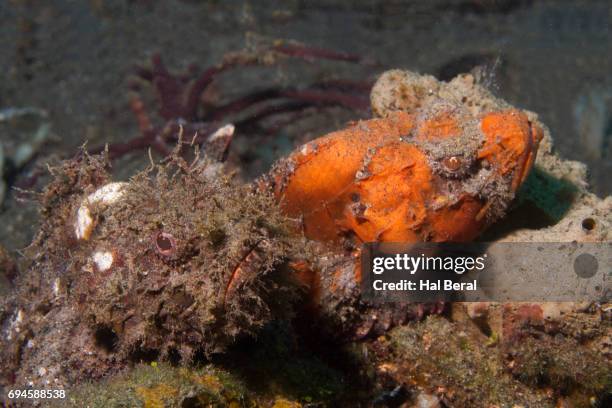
174	357
145	355
217	236
588	224
44	308
190	402
106	338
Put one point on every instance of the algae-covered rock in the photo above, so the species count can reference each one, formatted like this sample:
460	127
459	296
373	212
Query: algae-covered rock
160	385
172	262
582	375
408	91
461	366
454	363
556	204
267	371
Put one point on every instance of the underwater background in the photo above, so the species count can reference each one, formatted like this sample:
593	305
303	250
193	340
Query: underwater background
88	73
75	60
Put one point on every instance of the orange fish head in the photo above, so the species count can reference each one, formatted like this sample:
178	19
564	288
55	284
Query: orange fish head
478	162
459	143
439	173
511	144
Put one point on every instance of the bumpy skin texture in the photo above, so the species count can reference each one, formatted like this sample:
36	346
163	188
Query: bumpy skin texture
178	263
433	168
179	260
398	179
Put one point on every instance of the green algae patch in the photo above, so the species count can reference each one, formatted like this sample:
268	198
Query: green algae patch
160	385
551	195
439	356
163	386
580	374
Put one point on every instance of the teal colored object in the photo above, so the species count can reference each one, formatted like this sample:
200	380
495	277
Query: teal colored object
552	195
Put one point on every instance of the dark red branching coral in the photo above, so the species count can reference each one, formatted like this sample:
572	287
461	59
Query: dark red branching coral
180	98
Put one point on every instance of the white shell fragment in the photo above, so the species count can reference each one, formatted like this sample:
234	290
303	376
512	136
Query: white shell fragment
84	223
104	196
15	324
56	287
107	194
222	132
103	260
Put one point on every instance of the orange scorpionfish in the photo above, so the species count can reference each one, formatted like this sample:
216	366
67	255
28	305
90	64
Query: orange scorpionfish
178	260
440	163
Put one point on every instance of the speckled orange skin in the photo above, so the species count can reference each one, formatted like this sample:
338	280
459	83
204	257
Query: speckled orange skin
367	181
437	174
